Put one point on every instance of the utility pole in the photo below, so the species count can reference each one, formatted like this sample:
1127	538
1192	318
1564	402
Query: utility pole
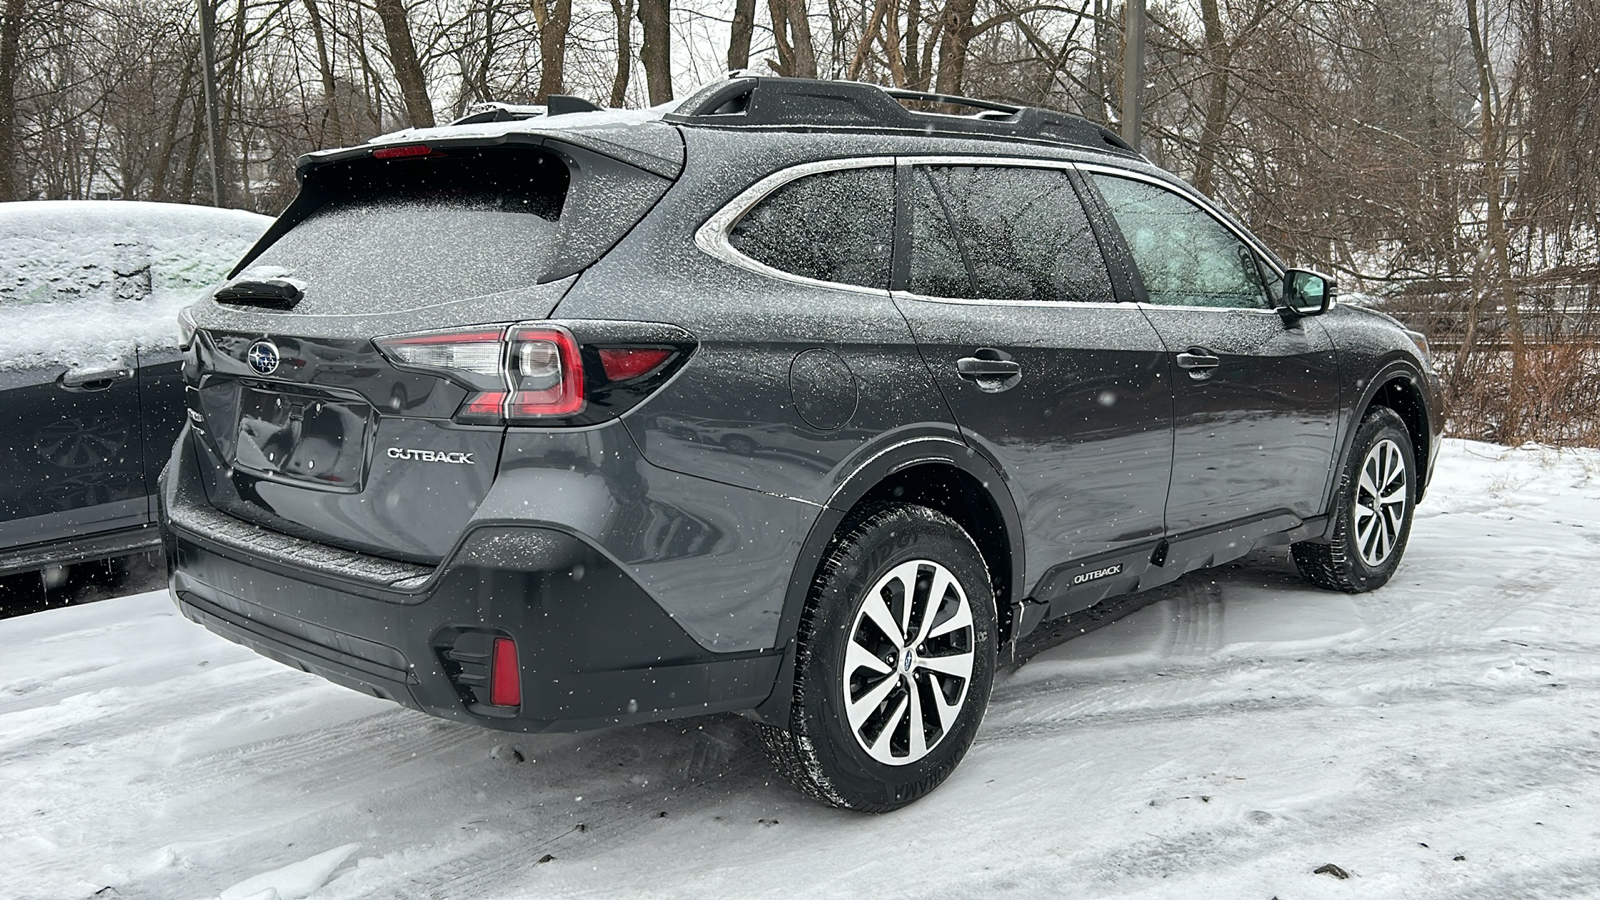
1133	72
208	77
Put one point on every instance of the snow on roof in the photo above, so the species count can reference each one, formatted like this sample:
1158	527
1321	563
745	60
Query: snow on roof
85	280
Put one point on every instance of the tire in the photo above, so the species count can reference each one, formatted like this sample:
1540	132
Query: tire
1372	510
860	690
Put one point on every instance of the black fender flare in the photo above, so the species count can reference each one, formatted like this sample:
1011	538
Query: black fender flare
868	467
1397	366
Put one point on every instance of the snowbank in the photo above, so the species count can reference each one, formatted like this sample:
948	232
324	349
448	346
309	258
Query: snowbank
85	280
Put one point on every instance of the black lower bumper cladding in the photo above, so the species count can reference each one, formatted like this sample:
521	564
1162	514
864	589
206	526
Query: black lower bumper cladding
594	649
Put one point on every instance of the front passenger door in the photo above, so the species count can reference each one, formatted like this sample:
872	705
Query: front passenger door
1255	398
1007	291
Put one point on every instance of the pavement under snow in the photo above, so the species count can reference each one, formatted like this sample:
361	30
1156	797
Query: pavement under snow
1439	738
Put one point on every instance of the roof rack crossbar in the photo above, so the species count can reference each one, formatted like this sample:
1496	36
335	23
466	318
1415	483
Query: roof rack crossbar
953	99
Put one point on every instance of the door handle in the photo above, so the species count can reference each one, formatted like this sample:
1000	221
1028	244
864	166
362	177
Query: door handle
98	378
1198	358
975	367
991	370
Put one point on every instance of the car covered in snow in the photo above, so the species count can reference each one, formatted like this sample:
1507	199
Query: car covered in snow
90	394
794	401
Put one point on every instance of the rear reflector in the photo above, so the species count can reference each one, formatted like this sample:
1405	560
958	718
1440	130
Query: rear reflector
505	682
623	363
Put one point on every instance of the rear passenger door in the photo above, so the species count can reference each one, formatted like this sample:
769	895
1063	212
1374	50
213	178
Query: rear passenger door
1003	281
1256	397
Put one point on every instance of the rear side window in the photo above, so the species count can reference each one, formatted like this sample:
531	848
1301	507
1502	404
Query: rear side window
407	233
1021	232
832	226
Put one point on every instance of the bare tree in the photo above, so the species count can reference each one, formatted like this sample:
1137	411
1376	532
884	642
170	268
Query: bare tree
11	22
555	21
740	33
656	53
403	57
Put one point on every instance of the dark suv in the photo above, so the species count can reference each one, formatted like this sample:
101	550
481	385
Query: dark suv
794	401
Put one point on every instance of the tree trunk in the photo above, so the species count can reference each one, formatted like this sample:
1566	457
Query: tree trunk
331	127
10	40
957	34
623	10
555	20
656	53
169	140
791	32
744	26
871	33
403	57
1219	57
1499	288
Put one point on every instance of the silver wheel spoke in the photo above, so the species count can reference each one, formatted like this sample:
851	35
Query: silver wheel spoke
958	666
936	592
947	711
875	609
919	738
859	657
962	619
862	709
880	747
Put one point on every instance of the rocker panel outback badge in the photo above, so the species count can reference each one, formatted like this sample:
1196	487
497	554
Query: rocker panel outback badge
792	402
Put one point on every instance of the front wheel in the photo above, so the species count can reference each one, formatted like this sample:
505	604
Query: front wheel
1372	512
894	662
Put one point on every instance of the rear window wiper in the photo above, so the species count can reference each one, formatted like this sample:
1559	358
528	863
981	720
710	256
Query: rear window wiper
272	293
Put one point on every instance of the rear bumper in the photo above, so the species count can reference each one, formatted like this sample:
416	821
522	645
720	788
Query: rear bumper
593	648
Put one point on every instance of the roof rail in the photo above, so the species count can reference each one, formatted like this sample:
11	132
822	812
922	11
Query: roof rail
555	105
744	101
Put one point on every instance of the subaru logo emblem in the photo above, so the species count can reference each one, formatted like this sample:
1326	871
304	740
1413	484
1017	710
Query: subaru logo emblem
263	357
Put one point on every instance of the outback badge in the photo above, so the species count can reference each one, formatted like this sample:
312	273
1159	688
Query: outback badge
460	459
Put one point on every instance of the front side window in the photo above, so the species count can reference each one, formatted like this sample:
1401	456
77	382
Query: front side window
1184	255
832	226
1003	233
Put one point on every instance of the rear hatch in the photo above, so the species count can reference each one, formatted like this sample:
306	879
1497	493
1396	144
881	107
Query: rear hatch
349	383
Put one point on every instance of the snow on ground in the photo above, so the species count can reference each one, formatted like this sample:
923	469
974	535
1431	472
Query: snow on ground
1439	738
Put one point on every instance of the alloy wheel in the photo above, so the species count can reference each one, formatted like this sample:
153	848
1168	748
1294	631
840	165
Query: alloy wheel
1380	502
909	662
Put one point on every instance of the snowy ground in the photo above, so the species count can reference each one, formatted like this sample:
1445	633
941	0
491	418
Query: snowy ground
1439	738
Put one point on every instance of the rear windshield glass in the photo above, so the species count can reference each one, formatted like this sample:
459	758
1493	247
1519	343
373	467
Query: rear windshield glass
407	233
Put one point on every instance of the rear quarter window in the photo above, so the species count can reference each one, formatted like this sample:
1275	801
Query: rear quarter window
832	226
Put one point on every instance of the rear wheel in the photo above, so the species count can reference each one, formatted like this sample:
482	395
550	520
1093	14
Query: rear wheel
1372	512
894	664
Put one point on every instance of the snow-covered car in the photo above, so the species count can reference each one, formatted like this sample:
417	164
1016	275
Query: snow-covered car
90	394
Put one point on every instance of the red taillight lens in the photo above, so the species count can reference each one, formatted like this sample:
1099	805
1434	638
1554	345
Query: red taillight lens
623	363
545	373
406	152
505	678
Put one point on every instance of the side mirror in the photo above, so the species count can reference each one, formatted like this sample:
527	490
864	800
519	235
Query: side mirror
1306	293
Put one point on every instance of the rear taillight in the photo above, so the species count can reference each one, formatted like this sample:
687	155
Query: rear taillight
540	372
